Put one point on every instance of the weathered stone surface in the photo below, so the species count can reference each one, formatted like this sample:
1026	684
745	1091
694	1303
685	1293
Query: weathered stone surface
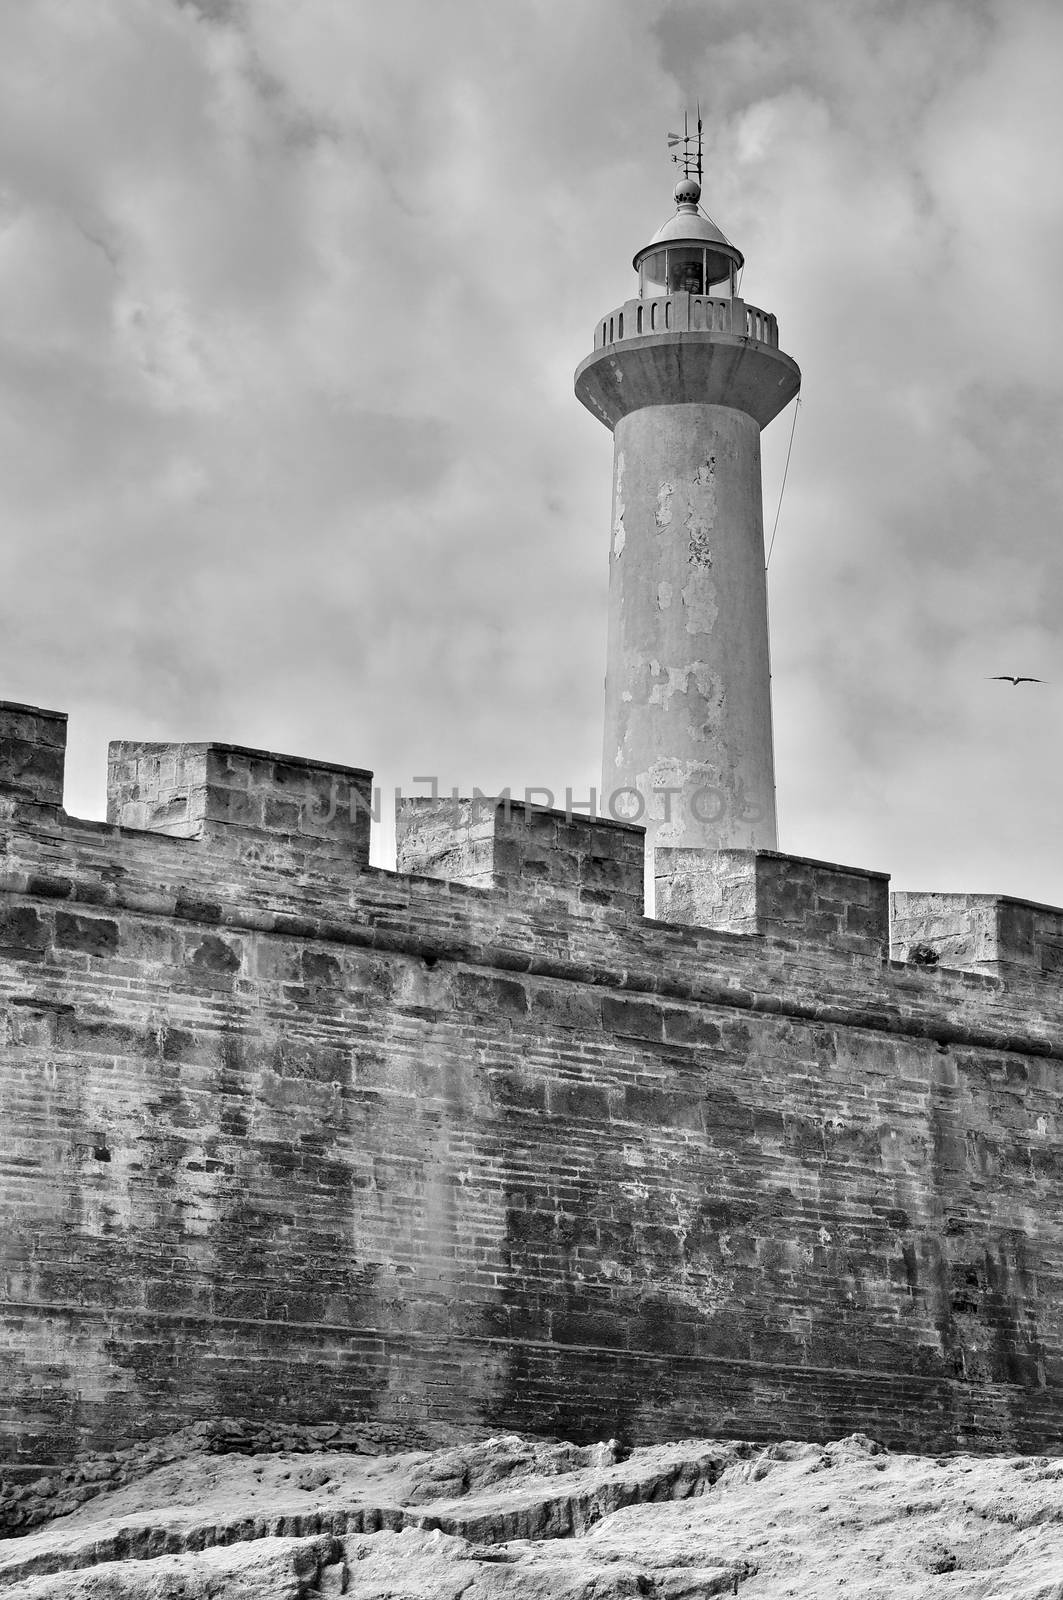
277	1568
588	864
32	755
242	798
979	933
787	897
524	1520
25	1505
447	838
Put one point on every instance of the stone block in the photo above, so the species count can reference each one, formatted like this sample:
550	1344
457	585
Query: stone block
449	839
585	863
986	933
32	755
236	796
781	896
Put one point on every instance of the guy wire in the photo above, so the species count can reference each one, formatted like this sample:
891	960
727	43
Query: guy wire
782	488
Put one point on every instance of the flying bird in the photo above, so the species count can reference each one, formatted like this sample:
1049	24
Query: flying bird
1004	677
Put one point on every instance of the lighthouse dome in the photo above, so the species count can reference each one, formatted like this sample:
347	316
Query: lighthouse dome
689	251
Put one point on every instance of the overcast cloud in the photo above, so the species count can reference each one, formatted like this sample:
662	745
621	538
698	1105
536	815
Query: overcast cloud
290	301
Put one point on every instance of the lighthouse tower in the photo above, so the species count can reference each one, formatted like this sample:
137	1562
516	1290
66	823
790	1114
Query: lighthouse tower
686	376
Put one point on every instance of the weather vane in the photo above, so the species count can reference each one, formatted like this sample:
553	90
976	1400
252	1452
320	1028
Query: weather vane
689	159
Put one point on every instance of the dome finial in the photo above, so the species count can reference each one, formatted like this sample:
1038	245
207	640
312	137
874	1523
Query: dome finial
687	194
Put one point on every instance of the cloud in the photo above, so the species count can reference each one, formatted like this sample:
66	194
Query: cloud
290	301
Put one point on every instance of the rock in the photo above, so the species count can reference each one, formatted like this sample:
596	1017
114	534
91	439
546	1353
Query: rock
313	1477
278	1568
515	1518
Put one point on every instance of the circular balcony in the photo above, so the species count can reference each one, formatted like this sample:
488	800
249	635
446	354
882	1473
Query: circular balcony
681	349
687	313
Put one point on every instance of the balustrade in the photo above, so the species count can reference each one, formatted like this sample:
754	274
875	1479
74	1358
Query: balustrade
687	313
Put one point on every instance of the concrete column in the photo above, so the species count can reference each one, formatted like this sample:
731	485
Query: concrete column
688	702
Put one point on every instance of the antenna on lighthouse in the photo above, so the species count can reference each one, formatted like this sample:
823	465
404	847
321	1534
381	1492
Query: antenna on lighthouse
689	159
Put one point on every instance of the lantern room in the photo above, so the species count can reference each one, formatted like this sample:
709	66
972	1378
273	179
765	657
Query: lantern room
689	254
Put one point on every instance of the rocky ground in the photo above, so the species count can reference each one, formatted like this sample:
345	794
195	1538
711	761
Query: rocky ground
525	1520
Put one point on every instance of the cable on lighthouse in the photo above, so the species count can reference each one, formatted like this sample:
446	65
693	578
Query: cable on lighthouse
782	490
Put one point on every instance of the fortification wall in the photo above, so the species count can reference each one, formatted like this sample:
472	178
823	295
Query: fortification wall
287	1136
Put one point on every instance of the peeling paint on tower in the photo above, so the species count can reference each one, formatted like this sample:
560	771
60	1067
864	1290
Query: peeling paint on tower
619	534
701	518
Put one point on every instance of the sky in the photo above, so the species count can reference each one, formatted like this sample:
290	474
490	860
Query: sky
291	296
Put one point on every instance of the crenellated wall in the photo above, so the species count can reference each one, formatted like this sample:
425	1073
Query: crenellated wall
286	1135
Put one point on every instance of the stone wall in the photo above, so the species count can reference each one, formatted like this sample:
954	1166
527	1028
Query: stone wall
289	1138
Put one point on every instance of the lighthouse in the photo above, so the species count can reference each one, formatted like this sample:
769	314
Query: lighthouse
685	376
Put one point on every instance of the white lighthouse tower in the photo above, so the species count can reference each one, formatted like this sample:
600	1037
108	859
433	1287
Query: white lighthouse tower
686	375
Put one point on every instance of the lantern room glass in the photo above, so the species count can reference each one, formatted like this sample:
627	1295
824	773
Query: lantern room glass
686	269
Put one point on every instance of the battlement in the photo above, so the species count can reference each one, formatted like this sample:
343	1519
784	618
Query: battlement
288	1136
32	755
978	933
785	897
262	806
240	797
586	864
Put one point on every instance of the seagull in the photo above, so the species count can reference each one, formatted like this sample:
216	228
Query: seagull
1004	677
